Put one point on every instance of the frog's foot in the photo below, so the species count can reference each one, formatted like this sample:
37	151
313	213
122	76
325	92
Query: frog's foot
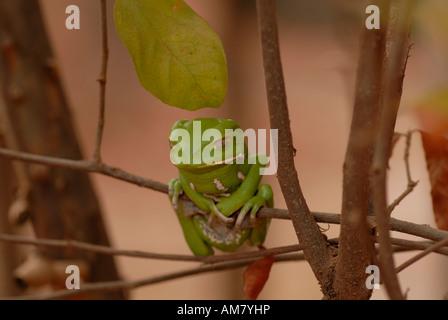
216	213
254	204
174	191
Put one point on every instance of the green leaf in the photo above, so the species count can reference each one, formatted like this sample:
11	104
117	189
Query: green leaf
177	56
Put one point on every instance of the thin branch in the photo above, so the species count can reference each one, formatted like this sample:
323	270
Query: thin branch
78	245
82	165
417	257
394	70
411	183
73	244
420	230
314	244
414	245
129	285
423	231
102	81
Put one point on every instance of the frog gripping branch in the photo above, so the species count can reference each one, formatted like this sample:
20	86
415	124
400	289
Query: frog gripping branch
221	183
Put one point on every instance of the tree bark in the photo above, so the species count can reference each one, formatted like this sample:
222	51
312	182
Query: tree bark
315	247
356	248
62	202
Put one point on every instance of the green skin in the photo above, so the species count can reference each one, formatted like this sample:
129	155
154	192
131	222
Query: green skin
218	190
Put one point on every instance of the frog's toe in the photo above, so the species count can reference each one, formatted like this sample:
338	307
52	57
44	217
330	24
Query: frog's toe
242	215
219	215
254	204
174	191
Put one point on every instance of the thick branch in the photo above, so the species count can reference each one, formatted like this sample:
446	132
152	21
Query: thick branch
394	70
62	203
314	244
356	248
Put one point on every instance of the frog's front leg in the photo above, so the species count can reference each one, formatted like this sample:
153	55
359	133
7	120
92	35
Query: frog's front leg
244	193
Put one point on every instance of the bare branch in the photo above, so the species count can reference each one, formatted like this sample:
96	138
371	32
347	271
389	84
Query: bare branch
235	263
314	244
397	225
82	165
102	80
421	255
411	183
128	285
394	70
356	248
73	244
401	244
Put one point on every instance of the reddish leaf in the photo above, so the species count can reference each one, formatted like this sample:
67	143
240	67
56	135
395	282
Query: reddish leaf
436	151
256	275
432	112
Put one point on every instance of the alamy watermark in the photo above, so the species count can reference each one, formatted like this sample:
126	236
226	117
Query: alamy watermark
224	150
73	280
373	280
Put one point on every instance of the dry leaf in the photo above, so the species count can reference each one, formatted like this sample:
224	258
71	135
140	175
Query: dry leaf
256	275
436	152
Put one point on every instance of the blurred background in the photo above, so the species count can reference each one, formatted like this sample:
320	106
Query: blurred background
319	43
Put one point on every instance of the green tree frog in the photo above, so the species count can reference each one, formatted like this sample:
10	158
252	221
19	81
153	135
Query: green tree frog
220	178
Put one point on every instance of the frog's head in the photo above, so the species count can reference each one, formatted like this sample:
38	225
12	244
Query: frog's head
206	142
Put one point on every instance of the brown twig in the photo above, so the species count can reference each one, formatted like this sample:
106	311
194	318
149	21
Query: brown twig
78	245
394	70
413	245
128	285
411	183
417	257
82	165
102	81
229	264
314	244
405	227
